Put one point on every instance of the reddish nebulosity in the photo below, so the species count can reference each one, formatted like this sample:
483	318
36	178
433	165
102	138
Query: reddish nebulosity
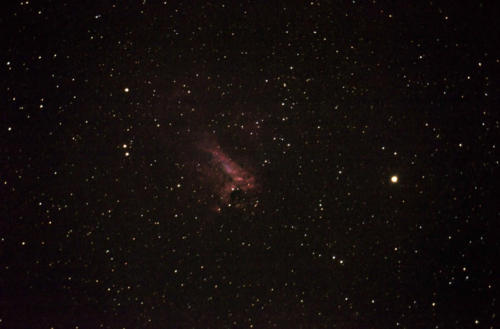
219	180
239	178
230	176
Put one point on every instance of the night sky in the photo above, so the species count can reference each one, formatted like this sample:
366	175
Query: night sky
249	164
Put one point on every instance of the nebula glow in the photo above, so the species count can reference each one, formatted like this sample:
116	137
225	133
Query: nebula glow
229	175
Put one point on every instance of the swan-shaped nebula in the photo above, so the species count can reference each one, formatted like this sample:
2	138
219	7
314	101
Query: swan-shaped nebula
228	177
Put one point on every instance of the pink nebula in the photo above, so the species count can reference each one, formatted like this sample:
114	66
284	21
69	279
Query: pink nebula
236	178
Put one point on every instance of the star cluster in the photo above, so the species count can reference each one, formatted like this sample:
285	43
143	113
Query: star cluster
249	164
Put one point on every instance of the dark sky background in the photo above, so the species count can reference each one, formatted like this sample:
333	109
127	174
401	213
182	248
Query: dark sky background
249	164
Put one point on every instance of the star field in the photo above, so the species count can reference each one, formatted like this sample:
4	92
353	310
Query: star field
249	164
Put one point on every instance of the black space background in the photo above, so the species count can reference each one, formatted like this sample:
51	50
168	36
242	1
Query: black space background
334	98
